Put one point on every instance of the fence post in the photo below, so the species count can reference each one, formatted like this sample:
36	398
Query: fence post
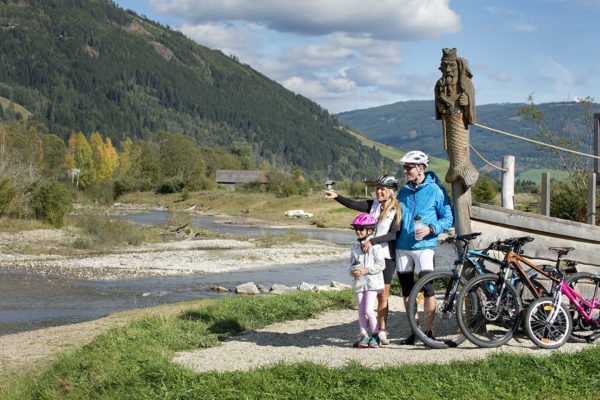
545	200
508	183
591	203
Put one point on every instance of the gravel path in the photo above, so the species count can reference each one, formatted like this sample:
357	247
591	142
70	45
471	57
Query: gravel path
327	340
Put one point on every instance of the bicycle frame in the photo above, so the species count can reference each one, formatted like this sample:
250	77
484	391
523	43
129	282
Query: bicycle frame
580	302
514	260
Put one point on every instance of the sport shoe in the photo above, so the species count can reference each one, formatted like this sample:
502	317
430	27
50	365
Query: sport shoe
373	342
410	340
383	338
363	343
429	334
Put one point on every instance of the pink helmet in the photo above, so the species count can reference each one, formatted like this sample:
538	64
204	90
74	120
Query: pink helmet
364	221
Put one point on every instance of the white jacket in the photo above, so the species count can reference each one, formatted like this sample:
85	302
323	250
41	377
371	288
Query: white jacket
374	261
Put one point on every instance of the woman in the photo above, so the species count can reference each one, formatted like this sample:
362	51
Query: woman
386	209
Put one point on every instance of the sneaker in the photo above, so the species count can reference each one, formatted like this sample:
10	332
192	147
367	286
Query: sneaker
410	340
374	342
383	338
363	343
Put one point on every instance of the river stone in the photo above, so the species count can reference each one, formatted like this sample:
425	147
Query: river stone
219	289
322	288
306	286
262	289
281	289
247	288
339	285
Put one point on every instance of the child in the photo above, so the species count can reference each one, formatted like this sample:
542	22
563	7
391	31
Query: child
367	270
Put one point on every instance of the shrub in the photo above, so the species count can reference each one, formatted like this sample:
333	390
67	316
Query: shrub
567	201
357	189
484	191
7	193
101	192
50	202
170	185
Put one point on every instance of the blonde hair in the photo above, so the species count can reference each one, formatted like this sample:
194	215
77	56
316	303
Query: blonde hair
391	203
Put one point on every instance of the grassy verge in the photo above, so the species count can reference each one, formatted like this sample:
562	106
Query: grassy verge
263	206
133	363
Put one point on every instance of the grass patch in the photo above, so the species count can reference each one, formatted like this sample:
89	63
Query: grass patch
535	175
263	206
270	240
103	232
13	225
133	362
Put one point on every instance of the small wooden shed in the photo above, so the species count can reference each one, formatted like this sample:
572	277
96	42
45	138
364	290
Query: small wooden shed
231	177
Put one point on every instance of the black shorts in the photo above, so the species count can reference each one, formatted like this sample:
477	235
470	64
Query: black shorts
388	272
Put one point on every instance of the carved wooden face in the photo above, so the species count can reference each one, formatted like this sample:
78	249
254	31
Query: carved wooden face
449	67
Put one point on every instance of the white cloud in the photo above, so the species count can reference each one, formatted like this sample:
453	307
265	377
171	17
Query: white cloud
230	39
387	19
338	52
523	26
492	73
559	77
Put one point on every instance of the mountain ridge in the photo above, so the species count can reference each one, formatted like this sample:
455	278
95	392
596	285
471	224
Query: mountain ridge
88	65
412	125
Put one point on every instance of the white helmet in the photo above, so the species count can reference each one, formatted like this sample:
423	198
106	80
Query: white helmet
415	157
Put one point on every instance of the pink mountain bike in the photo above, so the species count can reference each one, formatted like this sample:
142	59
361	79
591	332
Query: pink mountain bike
550	322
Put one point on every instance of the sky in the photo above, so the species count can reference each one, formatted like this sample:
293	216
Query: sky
357	54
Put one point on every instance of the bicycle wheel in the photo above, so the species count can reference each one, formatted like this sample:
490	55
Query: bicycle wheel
488	311
587	286
548	324
443	321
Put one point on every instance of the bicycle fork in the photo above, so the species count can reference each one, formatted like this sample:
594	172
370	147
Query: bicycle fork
555	308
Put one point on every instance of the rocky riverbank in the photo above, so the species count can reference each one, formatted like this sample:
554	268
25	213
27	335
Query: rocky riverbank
174	257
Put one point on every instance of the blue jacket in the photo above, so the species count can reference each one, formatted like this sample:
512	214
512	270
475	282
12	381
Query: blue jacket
431	202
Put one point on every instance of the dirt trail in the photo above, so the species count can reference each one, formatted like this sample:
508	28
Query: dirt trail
327	340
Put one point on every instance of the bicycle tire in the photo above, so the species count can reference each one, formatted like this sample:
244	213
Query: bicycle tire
583	283
488	313
444	326
543	333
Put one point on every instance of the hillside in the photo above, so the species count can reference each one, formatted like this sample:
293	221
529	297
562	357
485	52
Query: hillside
87	65
412	125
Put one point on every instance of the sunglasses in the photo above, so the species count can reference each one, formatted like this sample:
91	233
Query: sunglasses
409	167
360	229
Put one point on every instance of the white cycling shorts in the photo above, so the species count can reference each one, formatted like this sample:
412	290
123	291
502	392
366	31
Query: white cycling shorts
414	260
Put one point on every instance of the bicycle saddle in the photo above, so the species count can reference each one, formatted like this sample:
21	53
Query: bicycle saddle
561	250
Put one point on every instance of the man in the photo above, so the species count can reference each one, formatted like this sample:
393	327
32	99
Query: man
423	196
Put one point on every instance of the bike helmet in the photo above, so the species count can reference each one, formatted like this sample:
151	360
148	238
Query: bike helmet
366	221
415	157
387	181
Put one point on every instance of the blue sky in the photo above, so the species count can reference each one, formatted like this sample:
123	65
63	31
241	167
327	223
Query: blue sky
356	54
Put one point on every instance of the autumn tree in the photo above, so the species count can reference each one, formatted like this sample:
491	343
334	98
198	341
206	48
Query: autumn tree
84	160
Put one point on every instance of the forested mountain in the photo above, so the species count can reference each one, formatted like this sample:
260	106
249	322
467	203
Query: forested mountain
88	65
412	125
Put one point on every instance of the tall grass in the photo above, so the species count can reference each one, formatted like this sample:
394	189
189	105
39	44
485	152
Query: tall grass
101	232
12	225
133	363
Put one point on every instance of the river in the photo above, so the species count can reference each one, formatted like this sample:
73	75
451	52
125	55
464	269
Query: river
31	301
